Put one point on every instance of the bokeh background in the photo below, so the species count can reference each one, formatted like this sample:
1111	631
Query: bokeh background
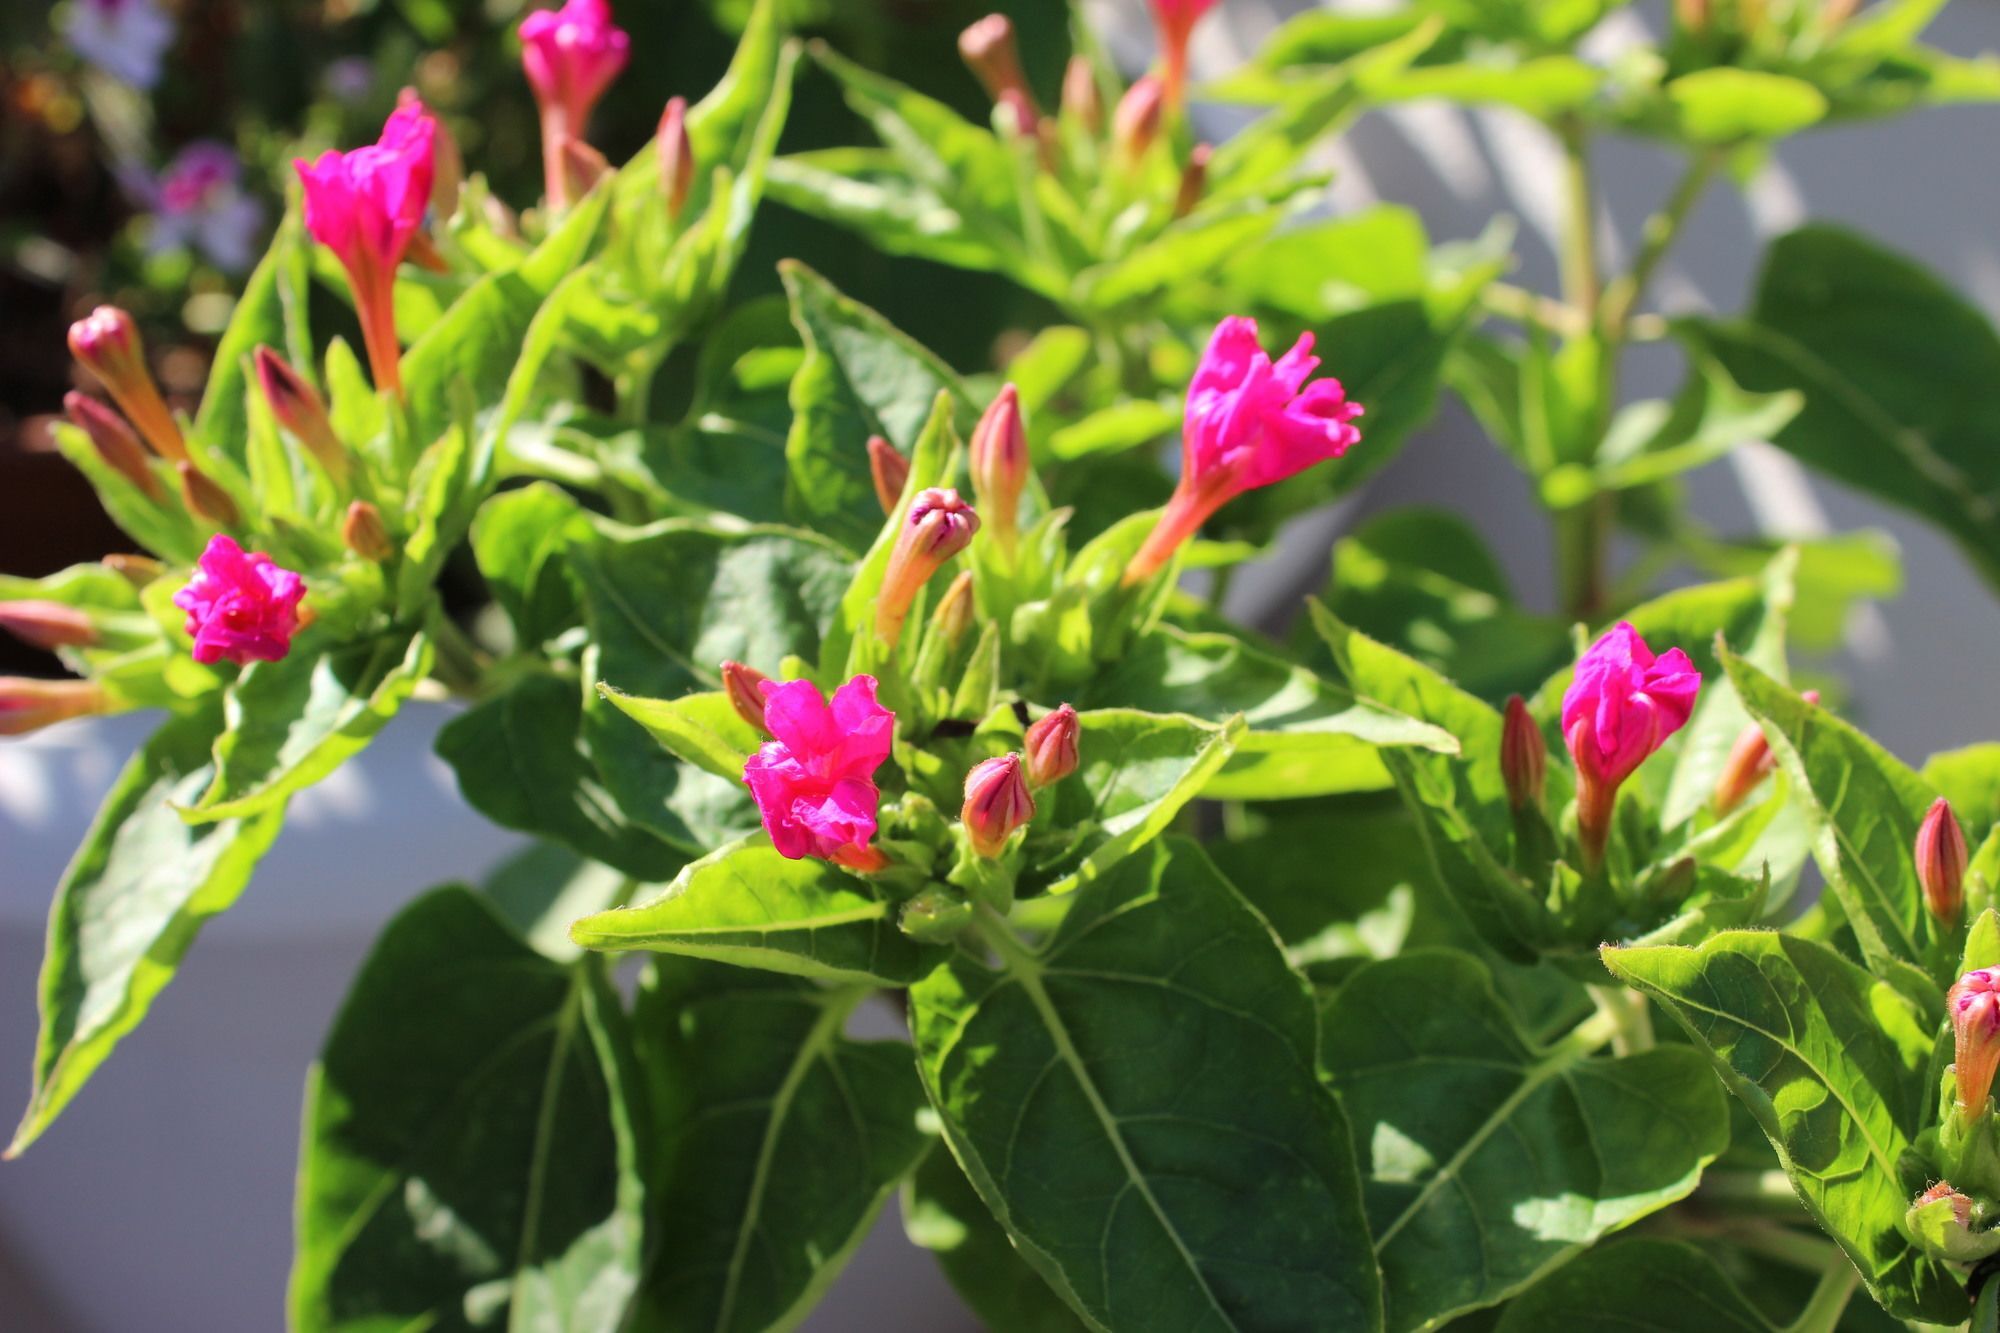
162	1201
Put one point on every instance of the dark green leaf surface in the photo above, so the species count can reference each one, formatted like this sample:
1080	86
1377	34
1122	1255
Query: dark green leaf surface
1488	1160
1137	1103
1835	1067
470	1154
749	906
778	1139
1970	779
141	887
1644	1286
944	1214
522	539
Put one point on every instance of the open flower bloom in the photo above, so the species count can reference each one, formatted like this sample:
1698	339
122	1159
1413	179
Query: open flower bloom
814	783
124	38
198	203
1176	20
1973	1006
241	606
570	55
1621	707
366	206
1250	422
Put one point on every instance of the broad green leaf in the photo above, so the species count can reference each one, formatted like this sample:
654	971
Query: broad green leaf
519	760
270	310
1889	359
139	890
748	906
1187	251
778	1139
161	526
470	1152
293	722
1864	807
1306	736
703	729
1487	1159
542	889
861	377
1136	1101
1644	1285
942	1213
1545	87
521	540
1125	425
1970	778
1711	416
1834	1066
1724	106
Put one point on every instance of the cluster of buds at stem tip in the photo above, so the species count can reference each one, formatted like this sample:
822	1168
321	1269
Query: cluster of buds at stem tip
1524	759
363	532
1750	761
889	470
29	705
1081	100
997	801
114	441
676	156
1136	123
1973	1006
999	463
1051	747
1941	858
106	343
938	526
744	688
48	625
300	410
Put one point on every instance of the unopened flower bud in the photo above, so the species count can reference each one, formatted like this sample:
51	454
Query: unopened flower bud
1524	759
997	802
583	166
953	616
867	860
206	500
1194	179
1973	1005
48	625
999	461
106	343
29	705
938	526
1136	123
744	687
676	152
1750	761
300	410
138	570
1050	747
990	52
1941	1220
889	470
114	441
1081	100
1941	856
363	532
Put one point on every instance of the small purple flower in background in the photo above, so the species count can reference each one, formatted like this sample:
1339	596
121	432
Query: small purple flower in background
125	38
198	202
348	80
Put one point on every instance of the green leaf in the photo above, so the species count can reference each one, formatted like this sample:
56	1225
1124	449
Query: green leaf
470	1155
162	526
1155	1059
1889	359
1711	416
1970	779
703	729
1724	106
139	890
1306	736
519	761
272	304
1834	1066
1489	1160
861	377
521	540
293	722
748	906
942	1213
779	1140
1644	1285
1864	807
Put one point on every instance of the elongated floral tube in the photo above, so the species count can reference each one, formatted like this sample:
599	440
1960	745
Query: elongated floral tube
953	615
814	781
570	56
48	625
1524	759
676	156
300	410
997	801
890	472
1249	422
1941	857
1750	761
106	343
744	687
998	457
990	51
1135	124
1175	22
241	605
205	499
1622	706
27	704
366	205
364	532
938	526
1082	101
114	441
1973	1006
1050	747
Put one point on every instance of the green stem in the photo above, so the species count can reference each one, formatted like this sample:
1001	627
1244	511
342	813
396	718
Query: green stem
1657	239
634	390
461	663
1534	309
1625	1013
1829	1299
1581	278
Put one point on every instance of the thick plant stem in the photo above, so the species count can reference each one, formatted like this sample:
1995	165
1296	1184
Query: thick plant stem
1829	1299
1622	298
1583	540
1630	1021
1581	279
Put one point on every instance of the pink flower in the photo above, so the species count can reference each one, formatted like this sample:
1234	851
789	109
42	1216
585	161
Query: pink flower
1620	708
1973	1006
366	206
997	801
1249	422
815	782
198	201
571	55
241	607
1176	20
939	525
